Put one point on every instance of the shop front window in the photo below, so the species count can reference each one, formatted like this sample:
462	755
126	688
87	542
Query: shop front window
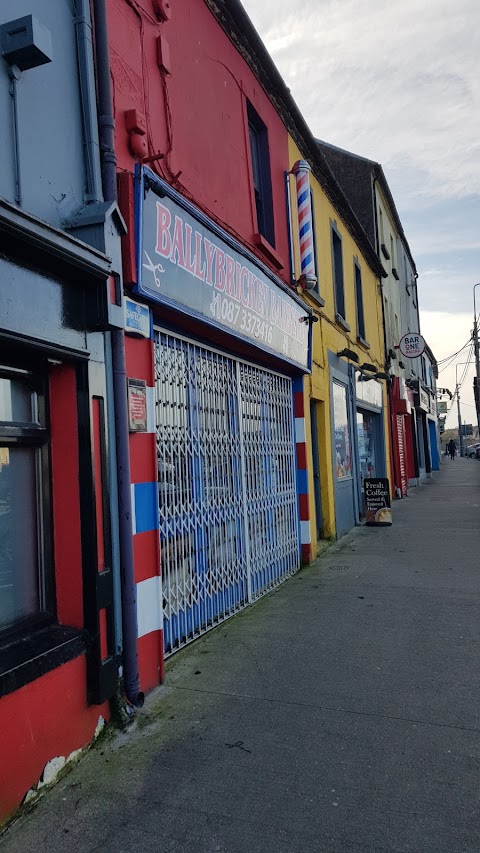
24	588
343	459
366	444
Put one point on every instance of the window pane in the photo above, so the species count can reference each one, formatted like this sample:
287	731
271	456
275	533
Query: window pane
262	182
19	558
359	297
343	457
338	274
366	444
15	401
255	159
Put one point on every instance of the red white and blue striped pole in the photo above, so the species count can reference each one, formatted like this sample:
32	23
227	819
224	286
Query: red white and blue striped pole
308	278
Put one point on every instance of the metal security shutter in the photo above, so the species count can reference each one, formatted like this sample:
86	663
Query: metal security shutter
226	477
401	454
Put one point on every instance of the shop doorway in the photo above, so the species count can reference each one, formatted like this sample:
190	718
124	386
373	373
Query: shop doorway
317	491
402	453
368	437
433	445
342	459
228	510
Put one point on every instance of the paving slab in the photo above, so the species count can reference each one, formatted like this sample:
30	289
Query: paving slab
340	713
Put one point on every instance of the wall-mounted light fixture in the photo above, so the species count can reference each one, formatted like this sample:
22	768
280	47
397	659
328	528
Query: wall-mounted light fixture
309	318
380	374
24	44
370	368
348	353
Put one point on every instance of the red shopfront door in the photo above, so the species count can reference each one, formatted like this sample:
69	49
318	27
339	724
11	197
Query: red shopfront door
402	458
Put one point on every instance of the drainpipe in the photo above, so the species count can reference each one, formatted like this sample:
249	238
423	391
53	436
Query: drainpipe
387	357
83	34
109	181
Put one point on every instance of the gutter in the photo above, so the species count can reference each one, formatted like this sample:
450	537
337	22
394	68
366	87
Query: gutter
109	181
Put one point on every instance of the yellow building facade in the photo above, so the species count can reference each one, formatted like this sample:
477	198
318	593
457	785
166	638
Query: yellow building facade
345	403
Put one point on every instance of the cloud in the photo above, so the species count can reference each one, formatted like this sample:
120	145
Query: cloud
399	83
442	344
395	82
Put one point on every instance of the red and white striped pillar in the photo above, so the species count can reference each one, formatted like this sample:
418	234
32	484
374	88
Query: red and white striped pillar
146	550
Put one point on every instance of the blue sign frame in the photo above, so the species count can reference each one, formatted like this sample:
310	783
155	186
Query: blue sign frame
187	254
138	318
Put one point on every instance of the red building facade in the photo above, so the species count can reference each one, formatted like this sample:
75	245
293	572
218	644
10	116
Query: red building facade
402	443
214	151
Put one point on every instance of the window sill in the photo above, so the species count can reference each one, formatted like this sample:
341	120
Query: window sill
395	274
267	249
341	322
315	296
24	660
363	342
385	252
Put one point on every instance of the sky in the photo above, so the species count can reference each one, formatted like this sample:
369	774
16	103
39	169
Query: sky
399	83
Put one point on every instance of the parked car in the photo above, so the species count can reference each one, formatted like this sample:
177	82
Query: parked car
471	451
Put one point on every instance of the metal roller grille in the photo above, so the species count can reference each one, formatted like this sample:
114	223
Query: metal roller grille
226	481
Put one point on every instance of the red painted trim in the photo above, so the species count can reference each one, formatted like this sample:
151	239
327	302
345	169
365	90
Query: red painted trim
145	555
102	627
143	457
127	209
139	355
302	455
307	554
97	427
304	507
46	718
299	404
112	289
98	484
409	448
150	659
65	496
267	249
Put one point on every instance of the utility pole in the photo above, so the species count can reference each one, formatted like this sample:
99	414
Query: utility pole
457	392
477	359
460	437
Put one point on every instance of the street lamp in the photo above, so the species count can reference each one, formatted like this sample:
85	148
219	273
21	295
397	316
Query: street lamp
457	392
474	311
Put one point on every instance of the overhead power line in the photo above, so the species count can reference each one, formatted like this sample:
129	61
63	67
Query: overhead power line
448	357
451	358
466	367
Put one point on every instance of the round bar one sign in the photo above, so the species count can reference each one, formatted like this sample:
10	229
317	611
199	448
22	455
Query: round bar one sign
412	345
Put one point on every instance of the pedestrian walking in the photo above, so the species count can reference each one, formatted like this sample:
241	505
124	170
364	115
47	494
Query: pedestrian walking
452	449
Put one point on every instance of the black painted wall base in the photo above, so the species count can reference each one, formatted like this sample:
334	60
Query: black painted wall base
39	652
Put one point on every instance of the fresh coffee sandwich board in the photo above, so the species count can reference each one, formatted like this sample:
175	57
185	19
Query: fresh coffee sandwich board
378	509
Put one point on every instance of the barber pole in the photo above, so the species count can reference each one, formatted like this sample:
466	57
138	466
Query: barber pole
308	279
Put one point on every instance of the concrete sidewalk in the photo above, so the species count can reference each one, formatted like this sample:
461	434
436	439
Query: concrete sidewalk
340	713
